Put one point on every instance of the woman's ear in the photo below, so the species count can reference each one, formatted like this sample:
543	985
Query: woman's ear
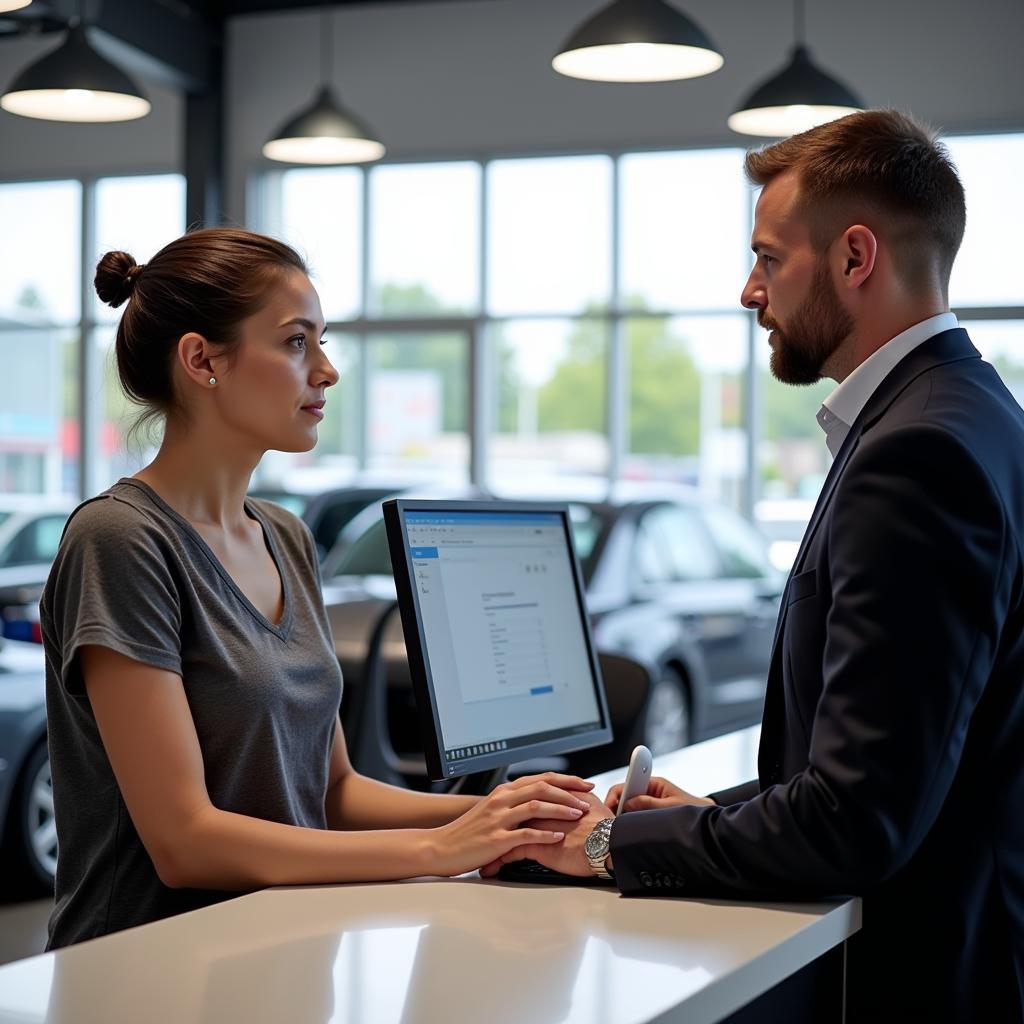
194	358
856	252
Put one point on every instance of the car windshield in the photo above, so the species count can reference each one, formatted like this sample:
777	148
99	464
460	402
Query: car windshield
331	519
367	555
588	523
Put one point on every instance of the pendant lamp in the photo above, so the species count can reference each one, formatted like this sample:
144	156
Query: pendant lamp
324	132
74	83
13	5
637	41
798	97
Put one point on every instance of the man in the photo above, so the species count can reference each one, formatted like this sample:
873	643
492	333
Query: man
893	734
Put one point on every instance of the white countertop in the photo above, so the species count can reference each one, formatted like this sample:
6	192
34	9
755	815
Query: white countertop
442	950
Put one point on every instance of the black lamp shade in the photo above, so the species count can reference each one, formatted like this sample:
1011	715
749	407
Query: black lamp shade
74	83
324	133
799	97
638	41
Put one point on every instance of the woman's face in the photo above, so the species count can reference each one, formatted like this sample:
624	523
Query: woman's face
271	387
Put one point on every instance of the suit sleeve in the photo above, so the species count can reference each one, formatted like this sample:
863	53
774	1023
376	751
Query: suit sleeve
736	794
921	558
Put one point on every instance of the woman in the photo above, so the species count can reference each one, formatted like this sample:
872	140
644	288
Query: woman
192	687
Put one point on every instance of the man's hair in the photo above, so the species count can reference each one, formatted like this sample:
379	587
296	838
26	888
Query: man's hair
885	170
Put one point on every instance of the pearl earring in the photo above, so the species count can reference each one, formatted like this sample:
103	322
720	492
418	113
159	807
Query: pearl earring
213	380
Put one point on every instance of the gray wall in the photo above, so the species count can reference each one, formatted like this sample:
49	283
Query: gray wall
474	78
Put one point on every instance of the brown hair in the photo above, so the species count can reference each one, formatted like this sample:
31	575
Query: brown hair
882	167
207	281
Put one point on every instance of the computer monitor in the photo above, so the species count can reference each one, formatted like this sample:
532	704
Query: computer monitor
497	632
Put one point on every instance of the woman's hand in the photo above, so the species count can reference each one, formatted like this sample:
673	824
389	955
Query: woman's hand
660	793
493	827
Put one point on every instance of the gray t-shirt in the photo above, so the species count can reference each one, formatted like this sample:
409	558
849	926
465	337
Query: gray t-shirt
134	576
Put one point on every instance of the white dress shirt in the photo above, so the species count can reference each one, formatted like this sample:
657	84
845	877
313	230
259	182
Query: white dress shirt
843	405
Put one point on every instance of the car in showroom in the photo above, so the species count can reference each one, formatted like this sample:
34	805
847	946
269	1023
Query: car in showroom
28	844
681	583
30	530
675	581
327	513
29	840
783	521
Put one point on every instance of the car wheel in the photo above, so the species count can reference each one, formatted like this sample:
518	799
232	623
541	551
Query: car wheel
668	724
31	834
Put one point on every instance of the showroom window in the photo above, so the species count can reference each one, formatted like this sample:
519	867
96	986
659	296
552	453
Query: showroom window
986	288
139	215
521	323
549	384
47	305
39	313
541	322
561	320
987	293
424	257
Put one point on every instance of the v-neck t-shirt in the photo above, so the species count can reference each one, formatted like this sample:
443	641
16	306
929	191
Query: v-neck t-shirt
134	576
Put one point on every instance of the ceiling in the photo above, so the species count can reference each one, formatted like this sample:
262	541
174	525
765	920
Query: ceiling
50	15
231	7
173	41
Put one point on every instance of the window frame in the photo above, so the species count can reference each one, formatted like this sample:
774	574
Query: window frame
89	400
479	325
476	327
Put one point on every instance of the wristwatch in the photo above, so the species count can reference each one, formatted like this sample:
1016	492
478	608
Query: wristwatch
596	847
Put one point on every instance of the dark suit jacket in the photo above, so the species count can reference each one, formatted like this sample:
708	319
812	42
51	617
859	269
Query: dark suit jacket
891	763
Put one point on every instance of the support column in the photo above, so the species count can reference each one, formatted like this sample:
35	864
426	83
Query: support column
204	148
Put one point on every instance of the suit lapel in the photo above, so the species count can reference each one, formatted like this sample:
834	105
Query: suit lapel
947	347
834	472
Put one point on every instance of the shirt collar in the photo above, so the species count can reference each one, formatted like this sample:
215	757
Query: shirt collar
847	400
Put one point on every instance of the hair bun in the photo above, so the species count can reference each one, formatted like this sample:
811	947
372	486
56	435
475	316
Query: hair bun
115	279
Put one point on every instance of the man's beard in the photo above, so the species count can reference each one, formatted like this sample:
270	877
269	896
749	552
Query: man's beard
813	334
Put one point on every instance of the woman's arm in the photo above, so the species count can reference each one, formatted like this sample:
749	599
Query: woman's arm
148	733
357	802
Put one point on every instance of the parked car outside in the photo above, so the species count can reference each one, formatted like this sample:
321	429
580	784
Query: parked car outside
30	530
670	578
29	843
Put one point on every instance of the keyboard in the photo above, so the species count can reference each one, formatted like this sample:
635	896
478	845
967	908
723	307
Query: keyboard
532	872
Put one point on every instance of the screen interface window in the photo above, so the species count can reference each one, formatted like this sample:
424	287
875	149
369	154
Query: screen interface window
505	641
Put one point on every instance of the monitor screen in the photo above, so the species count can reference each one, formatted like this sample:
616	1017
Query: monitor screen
497	632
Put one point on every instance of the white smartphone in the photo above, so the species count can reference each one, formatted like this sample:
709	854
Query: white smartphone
638	776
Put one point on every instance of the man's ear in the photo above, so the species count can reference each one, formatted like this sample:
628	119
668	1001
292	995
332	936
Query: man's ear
194	353
856	251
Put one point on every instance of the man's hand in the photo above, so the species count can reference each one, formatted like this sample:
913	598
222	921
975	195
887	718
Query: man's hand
566	856
660	793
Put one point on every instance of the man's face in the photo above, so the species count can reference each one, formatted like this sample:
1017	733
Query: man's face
791	288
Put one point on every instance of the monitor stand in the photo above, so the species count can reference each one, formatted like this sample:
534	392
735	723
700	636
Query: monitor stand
480	783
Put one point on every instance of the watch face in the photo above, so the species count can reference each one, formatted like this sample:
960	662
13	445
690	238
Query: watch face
597	842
